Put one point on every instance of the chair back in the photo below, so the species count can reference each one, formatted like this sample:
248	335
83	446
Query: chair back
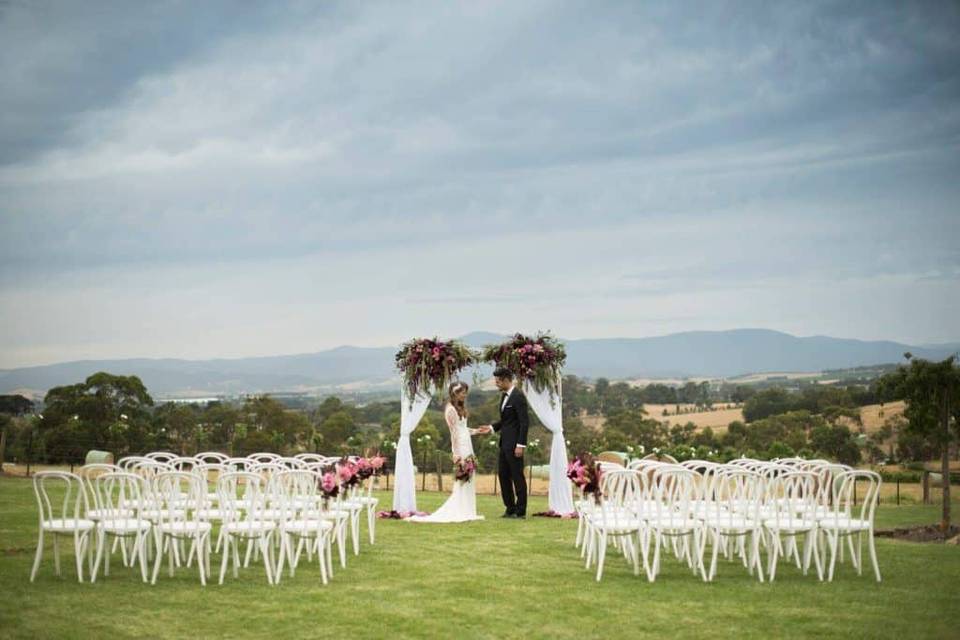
297	495
621	493
73	503
211	457
162	456
242	496
791	498
180	495
671	492
856	503
119	496
738	494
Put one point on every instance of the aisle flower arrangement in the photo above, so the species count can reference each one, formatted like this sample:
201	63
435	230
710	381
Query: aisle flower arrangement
347	473
373	466
329	486
585	474
427	363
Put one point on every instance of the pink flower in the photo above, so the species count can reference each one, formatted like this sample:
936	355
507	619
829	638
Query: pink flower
346	471
377	462
329	482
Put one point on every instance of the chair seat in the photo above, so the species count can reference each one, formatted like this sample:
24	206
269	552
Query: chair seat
843	523
210	514
155	515
364	500
731	523
618	525
68	525
250	527
140	504
673	524
124	525
188	527
335	514
306	526
793	525
103	514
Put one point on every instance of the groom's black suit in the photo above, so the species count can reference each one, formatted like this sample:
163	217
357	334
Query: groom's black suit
512	427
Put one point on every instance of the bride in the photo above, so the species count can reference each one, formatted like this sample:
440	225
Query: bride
461	506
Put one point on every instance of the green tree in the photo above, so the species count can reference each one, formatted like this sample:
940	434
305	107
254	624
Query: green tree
600	388
336	430
98	413
768	402
932	393
15	405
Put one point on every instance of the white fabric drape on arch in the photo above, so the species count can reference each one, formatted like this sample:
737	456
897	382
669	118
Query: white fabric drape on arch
404	489
551	415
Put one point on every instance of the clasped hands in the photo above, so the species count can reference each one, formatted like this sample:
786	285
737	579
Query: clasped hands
483	429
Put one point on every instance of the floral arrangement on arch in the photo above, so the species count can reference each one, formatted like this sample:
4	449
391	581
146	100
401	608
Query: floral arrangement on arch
431	362
585	473
538	360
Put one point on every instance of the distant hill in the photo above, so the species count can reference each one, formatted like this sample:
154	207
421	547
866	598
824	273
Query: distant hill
690	354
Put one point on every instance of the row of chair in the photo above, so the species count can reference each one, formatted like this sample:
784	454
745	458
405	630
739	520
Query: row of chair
739	508
162	504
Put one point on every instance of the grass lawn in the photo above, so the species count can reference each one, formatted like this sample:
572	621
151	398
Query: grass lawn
489	579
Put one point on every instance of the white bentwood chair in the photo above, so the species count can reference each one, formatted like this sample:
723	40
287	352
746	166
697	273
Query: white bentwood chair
65	520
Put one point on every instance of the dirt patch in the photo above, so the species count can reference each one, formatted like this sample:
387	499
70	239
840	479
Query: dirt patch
921	533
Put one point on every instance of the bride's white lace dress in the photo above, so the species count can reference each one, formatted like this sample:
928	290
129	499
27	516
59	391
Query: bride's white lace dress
461	506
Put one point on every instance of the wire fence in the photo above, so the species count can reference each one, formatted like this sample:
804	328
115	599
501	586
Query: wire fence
29	452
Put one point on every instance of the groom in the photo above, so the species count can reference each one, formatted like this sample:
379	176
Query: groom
512	428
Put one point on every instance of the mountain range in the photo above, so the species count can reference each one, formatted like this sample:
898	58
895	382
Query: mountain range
690	354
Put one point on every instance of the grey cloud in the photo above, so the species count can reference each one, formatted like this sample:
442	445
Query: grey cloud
731	146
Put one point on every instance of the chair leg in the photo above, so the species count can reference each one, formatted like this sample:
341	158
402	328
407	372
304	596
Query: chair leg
264	549
321	556
355	533
284	544
226	556
201	564
655	565
772	552
101	542
38	556
755	554
601	553
78	554
236	555
143	555
158	559
833	540
56	554
873	555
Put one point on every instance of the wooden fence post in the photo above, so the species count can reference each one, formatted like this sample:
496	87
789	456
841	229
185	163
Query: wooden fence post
439	473
926	487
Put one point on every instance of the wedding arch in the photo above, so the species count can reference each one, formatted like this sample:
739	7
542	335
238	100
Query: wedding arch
538	364
427	365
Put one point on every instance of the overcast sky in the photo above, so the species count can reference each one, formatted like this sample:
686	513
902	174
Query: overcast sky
215	179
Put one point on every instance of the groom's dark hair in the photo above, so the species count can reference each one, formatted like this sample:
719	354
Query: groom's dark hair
504	373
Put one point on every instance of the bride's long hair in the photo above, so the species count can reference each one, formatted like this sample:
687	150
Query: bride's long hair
459	404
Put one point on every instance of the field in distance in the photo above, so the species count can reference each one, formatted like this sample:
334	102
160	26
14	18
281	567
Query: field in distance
873	416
